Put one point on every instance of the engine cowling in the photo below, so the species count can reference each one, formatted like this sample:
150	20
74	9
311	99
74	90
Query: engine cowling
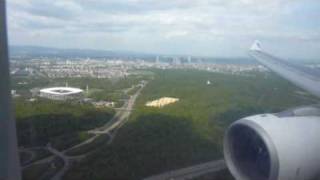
274	146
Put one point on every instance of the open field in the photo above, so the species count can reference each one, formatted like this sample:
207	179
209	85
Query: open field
189	131
161	102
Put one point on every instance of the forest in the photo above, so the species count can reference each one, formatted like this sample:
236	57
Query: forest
61	123
190	131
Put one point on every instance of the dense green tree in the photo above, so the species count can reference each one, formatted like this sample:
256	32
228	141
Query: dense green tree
41	121
189	131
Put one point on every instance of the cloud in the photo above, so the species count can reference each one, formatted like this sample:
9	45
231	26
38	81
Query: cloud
150	25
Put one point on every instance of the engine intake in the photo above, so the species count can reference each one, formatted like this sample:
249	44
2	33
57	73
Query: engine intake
269	147
250	153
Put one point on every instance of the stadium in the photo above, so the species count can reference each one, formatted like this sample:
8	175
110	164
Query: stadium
61	93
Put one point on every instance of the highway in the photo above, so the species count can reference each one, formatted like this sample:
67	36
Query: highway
31	153
66	162
120	117
109	128
190	172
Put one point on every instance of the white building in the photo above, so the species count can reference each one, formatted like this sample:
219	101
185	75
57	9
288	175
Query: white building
61	93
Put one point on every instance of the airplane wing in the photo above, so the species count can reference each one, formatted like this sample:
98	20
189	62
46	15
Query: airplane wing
304	77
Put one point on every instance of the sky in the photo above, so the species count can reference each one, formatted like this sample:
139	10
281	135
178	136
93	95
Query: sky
222	28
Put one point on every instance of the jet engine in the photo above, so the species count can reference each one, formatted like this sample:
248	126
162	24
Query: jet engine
280	146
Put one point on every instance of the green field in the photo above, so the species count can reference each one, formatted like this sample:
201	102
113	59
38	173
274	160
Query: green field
187	132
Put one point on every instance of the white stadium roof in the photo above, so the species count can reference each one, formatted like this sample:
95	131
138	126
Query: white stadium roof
61	90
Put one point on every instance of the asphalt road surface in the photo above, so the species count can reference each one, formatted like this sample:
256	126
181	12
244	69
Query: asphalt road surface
190	172
117	121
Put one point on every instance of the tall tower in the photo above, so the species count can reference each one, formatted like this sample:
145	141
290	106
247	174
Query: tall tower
189	59
176	61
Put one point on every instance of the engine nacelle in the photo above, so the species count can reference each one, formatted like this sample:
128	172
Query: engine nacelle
280	146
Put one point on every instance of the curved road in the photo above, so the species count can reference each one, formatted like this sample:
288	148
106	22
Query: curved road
66	162
111	128
115	123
